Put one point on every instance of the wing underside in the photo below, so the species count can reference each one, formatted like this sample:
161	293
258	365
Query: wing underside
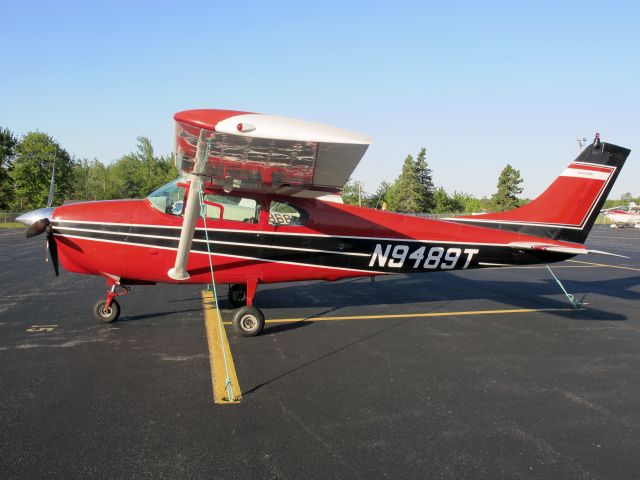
266	153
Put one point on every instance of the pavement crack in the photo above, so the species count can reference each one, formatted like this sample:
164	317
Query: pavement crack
319	439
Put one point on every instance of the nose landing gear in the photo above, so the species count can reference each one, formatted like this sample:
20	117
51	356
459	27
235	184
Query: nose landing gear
108	311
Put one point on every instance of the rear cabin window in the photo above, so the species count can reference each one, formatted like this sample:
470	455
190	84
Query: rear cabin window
237	209
282	213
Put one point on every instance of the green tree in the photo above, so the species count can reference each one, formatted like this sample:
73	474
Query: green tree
31	172
626	197
468	203
506	198
7	151
353	192
139	173
98	180
405	195
376	199
445	203
81	180
425	178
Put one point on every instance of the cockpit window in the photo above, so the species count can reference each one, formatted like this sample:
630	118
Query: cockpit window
169	198
238	209
281	213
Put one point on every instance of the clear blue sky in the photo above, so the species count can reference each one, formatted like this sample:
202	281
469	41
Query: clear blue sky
479	84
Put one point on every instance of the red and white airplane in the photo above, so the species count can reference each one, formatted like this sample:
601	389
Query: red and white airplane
258	205
623	216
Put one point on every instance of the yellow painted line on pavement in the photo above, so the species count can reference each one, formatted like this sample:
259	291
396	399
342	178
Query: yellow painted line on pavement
417	315
621	267
218	346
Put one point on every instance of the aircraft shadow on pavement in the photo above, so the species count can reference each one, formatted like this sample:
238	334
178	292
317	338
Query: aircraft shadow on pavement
320	358
420	290
153	315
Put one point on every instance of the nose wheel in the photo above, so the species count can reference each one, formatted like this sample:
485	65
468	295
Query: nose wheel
108	310
104	313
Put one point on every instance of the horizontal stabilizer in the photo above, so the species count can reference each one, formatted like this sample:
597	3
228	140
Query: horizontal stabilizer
548	247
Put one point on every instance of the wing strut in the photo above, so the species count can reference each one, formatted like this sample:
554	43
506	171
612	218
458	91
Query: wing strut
192	210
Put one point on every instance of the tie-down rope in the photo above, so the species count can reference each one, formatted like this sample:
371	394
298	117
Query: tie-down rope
230	395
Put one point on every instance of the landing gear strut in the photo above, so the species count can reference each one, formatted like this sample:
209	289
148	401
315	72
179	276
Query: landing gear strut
108	310
248	320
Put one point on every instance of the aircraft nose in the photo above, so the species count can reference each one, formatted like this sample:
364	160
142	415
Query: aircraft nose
29	218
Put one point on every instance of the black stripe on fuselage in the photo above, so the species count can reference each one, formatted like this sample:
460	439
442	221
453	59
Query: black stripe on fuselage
373	255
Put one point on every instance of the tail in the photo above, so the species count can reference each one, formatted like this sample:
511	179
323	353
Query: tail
569	207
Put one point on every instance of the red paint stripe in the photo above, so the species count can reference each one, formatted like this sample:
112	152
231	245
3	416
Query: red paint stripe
205	118
591	168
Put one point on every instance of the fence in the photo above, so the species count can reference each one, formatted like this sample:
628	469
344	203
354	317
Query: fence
8	217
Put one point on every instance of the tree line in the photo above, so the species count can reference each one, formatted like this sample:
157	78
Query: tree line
414	191
26	165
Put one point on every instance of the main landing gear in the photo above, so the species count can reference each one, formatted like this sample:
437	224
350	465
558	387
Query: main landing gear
108	310
248	320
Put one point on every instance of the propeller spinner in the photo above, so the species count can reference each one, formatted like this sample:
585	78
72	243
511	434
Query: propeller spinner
39	221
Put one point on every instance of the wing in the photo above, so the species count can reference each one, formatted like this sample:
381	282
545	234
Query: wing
267	153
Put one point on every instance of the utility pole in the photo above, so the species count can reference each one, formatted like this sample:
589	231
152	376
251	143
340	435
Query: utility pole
53	179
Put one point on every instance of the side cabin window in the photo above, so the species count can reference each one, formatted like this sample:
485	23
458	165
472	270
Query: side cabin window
283	213
228	207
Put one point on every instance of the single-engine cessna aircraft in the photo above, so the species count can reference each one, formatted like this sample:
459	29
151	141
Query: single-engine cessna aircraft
259	204
623	216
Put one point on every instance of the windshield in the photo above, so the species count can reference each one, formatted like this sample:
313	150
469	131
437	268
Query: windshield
168	198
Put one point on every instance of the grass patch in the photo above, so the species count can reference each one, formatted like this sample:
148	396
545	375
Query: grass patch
12	225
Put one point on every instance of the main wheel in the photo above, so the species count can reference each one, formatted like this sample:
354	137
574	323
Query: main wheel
237	295
248	321
104	314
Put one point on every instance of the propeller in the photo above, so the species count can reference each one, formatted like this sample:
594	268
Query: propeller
44	225
39	221
53	250
37	227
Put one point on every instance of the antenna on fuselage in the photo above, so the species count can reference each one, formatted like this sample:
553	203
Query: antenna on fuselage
581	143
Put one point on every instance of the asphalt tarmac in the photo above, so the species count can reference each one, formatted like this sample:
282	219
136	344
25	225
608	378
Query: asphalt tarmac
547	392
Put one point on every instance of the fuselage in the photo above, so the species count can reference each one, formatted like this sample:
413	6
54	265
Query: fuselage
137	241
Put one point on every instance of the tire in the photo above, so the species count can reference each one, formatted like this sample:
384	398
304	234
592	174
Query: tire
104	316
237	295
248	321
